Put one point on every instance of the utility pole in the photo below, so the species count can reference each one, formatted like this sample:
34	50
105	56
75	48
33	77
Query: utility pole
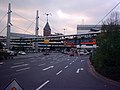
8	27
36	32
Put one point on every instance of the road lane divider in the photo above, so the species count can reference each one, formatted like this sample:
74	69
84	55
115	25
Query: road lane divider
43	85
66	66
48	68
19	65
59	72
1	63
23	69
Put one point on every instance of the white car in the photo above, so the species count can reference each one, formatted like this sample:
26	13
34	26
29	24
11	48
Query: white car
84	52
21	53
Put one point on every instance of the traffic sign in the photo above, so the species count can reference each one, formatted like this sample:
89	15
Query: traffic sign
14	85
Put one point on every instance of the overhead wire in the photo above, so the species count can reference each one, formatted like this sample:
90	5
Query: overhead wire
3	29
3	18
22	29
107	14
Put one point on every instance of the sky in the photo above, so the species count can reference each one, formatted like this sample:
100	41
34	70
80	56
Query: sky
63	14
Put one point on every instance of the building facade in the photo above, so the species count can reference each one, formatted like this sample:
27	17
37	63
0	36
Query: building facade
47	30
83	29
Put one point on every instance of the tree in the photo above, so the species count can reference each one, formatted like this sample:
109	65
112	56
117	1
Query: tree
106	58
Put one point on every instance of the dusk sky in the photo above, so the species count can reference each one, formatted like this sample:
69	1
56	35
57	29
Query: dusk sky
65	14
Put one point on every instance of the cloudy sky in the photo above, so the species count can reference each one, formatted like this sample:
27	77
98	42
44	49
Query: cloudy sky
64	14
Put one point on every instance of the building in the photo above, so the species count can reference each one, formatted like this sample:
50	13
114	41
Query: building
47	30
84	29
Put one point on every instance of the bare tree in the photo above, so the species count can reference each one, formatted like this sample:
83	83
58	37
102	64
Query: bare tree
112	23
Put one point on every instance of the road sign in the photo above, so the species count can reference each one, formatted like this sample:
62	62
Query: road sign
46	41
14	85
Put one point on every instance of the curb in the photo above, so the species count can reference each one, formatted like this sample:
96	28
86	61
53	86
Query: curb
99	76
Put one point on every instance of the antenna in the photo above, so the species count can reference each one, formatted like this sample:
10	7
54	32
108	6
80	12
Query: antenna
47	14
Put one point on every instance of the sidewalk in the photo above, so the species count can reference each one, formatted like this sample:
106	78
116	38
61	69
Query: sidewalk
28	55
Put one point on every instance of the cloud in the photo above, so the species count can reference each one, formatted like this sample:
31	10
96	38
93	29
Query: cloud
65	13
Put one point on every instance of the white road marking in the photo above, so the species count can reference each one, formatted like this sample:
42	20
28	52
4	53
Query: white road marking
1	63
68	59
23	69
81	69
78	70
48	68
59	72
70	63
19	65
66	66
82	60
41	64
73	61
43	85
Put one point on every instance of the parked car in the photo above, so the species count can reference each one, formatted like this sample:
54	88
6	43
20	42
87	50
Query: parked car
21	53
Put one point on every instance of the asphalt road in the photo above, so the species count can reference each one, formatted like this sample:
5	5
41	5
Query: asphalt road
52	72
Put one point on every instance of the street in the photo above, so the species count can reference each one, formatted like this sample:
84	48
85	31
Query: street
55	71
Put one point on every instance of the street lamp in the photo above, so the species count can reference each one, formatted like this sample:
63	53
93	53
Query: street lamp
64	30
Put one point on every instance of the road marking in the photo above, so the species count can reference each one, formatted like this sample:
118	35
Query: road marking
78	70
48	68
1	63
70	63
43	85
82	60
66	66
59	72
41	64
81	69
23	69
19	65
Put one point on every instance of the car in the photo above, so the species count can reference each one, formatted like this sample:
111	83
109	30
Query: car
21	53
71	53
84	52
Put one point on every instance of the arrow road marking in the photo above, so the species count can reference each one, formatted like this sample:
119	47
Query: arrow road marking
81	69
48	68
78	70
43	85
